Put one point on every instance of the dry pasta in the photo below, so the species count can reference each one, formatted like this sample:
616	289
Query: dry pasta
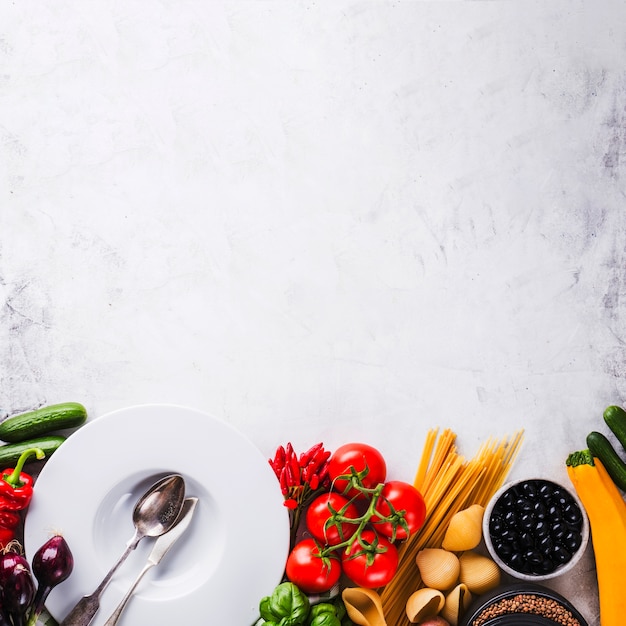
448	483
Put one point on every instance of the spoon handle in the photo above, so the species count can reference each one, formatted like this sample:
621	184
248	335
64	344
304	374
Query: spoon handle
161	547
115	616
86	608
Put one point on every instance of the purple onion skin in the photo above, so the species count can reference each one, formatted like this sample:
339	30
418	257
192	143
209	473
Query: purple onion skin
4	618
14	569
52	564
18	593
8	562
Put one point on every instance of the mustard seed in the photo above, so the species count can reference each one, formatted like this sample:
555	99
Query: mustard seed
528	603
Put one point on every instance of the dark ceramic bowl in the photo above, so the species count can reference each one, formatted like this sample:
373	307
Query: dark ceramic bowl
492	599
535	529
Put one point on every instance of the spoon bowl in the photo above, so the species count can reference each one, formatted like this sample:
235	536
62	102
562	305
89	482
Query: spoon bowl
158	509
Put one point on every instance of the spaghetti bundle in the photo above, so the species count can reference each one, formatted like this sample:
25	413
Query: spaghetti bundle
449	483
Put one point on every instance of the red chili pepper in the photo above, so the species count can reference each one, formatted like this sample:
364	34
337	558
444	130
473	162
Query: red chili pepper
284	487
322	474
319	459
16	491
306	457
294	468
292	479
278	461
280	455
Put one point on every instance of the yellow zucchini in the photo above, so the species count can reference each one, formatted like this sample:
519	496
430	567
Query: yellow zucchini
606	511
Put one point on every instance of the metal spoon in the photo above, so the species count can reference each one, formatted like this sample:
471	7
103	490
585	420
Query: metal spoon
154	514
161	547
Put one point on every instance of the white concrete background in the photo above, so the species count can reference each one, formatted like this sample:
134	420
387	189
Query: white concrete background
319	220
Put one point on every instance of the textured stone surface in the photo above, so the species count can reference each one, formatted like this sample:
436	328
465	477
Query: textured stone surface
335	221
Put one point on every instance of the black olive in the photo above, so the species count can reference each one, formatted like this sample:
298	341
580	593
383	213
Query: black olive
516	561
510	534
526	521
547	566
558	530
496	526
529	488
507	500
510	518
503	550
560	554
539	509
523	505
542	528
560	497
572	513
554	511
572	540
533	556
546	489
546	544
527	567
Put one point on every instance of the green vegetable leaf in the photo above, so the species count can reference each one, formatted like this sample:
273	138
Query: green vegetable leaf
322	607
325	619
265	610
287	606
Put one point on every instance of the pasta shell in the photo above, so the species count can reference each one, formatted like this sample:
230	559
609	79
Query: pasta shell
424	603
465	529
478	572
456	603
363	606
438	568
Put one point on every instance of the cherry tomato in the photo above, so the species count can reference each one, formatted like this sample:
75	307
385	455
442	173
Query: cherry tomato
309	571
370	570
363	458
400	496
319	518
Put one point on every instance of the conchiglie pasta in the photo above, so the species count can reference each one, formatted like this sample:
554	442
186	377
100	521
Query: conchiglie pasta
478	572
465	529
438	568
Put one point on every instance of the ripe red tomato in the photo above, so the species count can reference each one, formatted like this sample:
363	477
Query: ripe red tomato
363	458
309	571
370	570
319	518
399	496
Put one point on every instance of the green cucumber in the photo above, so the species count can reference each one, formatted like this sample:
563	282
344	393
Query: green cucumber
11	452
603	449
42	421
615	418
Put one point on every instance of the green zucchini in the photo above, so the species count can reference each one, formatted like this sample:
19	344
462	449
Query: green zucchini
603	449
615	418
42	421
11	452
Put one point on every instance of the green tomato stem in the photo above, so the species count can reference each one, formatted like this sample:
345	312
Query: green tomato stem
362	522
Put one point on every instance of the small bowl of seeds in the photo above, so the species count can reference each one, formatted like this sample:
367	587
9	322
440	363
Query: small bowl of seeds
522	604
535	529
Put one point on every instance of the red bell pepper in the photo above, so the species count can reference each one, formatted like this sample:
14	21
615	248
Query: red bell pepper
16	491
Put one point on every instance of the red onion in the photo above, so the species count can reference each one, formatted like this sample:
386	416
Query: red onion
9	560
52	564
17	592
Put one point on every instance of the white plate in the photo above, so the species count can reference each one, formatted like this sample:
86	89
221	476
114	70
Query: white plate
231	556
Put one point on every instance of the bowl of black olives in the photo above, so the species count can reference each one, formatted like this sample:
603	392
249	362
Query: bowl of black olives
535	529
